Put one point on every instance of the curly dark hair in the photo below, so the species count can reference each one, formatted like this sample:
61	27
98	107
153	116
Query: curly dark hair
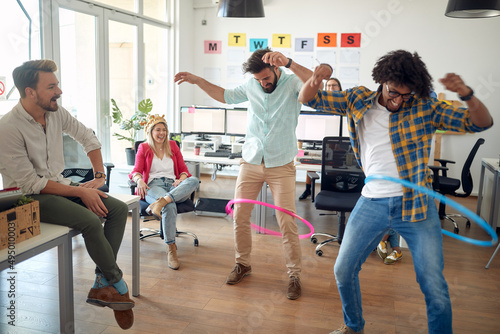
400	67
255	64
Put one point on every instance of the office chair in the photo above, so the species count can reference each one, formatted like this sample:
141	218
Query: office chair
82	175
448	186
341	183
182	207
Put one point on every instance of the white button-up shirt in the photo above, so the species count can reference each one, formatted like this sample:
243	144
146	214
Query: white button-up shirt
29	157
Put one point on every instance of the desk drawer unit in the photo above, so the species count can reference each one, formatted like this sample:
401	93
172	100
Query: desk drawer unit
119	179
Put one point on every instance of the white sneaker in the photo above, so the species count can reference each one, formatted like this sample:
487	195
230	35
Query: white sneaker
382	249
346	330
393	258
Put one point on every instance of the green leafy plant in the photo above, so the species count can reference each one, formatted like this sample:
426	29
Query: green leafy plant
133	124
23	200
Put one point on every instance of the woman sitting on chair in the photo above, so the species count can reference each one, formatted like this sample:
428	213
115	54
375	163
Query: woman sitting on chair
162	180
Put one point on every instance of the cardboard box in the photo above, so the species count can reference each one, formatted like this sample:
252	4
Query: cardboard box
19	224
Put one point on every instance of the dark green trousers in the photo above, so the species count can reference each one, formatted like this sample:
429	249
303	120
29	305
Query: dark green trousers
101	240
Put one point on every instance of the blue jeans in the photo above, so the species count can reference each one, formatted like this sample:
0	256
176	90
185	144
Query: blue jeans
163	187
393	238
368	222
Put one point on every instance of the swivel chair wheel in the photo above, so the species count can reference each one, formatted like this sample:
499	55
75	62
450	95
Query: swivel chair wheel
319	252
314	240
195	242
455	230
467	224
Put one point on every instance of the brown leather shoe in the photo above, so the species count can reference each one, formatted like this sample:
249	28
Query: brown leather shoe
110	297
124	319
155	208
294	288
239	271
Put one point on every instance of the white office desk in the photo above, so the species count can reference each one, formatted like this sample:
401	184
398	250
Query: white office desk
50	236
132	202
191	157
492	166
260	213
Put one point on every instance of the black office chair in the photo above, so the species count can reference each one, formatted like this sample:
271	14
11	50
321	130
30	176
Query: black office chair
182	207
341	182
82	175
448	186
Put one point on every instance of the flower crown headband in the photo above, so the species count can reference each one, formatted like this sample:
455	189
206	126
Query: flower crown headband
152	121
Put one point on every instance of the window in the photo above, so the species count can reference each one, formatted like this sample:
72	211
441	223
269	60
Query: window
20	41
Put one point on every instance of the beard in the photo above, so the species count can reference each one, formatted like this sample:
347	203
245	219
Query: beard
271	87
48	105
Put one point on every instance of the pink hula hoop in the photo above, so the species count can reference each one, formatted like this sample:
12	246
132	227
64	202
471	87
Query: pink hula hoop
229	211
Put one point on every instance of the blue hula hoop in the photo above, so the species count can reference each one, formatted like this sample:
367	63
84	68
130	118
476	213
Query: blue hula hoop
471	215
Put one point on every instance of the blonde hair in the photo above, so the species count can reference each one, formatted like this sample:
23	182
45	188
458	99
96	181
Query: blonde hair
26	75
166	143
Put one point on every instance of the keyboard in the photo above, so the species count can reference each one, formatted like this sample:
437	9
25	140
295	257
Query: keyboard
309	161
234	155
218	154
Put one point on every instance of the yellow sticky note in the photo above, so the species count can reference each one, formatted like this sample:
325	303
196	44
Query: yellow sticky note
282	40
237	39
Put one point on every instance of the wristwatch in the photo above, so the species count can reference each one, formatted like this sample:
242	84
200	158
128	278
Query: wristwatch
467	97
100	175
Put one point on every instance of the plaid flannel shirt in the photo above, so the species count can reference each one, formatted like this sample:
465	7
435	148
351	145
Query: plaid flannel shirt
411	130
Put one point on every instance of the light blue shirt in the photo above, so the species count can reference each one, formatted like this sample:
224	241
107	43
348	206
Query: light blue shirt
271	120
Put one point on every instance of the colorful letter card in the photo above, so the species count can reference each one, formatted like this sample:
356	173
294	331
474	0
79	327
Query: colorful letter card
327	39
304	44
213	46
350	40
257	43
237	39
282	40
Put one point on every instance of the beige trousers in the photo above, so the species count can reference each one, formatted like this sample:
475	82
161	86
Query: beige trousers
281	181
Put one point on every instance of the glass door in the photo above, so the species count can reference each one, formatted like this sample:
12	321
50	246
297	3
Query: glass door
123	82
105	54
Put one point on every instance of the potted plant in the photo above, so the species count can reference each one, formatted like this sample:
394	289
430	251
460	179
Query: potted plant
132	125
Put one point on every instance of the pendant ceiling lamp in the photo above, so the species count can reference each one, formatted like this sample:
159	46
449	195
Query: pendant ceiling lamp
240	8
470	9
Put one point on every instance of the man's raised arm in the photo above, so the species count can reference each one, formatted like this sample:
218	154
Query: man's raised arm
214	91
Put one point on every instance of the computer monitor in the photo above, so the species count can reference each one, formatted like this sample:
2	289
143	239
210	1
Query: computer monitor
236	122
203	121
312	127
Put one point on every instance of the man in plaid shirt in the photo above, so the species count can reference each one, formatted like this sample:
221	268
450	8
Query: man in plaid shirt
391	132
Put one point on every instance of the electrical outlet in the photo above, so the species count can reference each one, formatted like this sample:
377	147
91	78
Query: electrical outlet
203	22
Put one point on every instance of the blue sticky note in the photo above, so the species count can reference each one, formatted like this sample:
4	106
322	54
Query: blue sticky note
257	43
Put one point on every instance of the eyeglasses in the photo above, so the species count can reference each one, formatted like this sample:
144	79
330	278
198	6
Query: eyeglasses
394	94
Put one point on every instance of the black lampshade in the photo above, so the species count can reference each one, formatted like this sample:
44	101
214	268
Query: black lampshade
240	8
469	9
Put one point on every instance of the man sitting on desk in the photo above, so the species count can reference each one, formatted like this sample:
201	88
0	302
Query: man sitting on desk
268	153
32	159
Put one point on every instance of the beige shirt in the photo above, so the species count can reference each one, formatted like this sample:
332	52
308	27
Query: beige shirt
29	157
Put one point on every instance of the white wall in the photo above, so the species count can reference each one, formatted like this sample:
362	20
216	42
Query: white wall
468	47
